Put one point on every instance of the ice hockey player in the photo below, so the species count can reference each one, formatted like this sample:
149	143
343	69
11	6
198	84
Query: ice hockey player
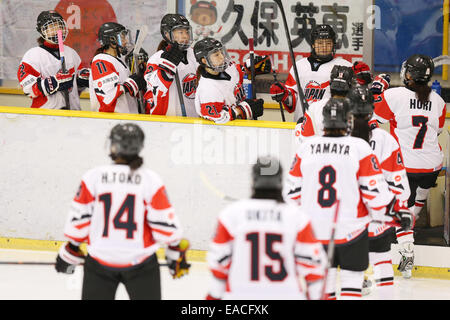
112	87
174	58
416	116
341	80
336	166
40	72
122	211
220	94
313	71
388	153
262	245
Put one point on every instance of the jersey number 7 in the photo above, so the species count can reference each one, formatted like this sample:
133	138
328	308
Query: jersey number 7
420	121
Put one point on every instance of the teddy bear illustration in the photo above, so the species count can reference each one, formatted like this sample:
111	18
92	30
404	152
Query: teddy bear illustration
204	16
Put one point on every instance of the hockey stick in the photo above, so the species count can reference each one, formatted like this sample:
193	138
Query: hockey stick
275	79
141	34
63	68
216	191
441	60
330	251
180	94
303	101
252	66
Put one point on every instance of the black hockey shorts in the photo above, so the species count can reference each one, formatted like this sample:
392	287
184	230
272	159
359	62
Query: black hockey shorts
353	255
425	180
142	281
382	243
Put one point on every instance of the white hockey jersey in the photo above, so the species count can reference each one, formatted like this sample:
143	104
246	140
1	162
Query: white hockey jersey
312	124
216	94
43	62
415	126
314	80
162	93
105	85
124	216
389	155
326	169
261	248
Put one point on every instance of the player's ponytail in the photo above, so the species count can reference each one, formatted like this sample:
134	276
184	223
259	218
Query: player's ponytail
162	45
199	75
361	128
136	163
422	91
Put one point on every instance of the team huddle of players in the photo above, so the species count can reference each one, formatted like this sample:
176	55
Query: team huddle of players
345	166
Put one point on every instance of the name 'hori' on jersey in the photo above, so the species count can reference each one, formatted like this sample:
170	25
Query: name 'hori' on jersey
416	104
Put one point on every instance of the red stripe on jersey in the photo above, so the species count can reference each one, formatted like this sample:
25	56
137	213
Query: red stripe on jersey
97	70
160	201
295	168
111	107
83	195
219	274
415	170
76	239
442	117
25	70
165	233
306	235
83	225
147	234
402	234
385	284
38	101
369	166
309	266
392	163
307	127
383	262
222	234
367	196
211	109
345	294
382	109
313	277
362	209
290	81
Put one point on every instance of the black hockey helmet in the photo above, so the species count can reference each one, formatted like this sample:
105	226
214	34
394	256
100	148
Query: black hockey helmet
267	174
169	23
48	23
341	80
113	33
420	68
323	31
126	140
336	113
205	48
361	100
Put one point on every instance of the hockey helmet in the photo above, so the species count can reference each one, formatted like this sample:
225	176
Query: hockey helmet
361	100
267	174
126	140
341	80
209	49
113	33
336	114
419	67
322	31
169	23
48	23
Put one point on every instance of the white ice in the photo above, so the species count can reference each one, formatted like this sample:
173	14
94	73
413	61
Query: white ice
30	282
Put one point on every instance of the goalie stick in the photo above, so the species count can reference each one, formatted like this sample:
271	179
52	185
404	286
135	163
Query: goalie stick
63	68
301	95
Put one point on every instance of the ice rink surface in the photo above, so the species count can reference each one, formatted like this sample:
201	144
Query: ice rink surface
30	282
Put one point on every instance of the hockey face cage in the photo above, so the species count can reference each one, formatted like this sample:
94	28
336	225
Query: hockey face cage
123	40
182	45
215	54
49	31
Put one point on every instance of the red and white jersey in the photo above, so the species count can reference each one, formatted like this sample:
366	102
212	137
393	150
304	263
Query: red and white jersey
312	124
389	155
122	215
39	62
216	92
314	80
105	85
415	126
326	169
261	248
162	93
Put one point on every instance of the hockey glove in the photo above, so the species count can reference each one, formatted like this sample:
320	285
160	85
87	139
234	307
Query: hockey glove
60	82
68	258
362	72
141	60
83	78
171	57
134	84
251	108
176	259
278	91
262	65
380	83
